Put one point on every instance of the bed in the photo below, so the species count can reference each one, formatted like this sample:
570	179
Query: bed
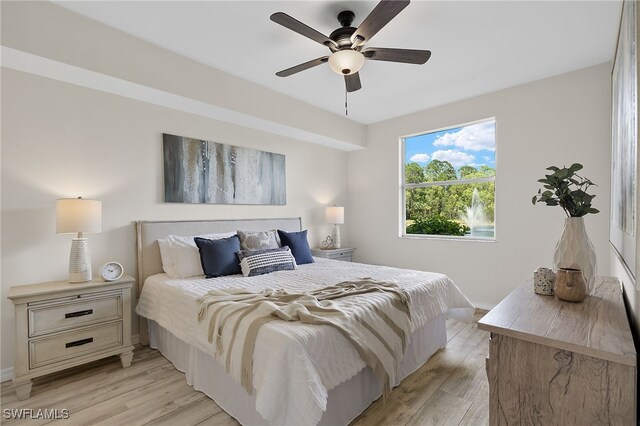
303	374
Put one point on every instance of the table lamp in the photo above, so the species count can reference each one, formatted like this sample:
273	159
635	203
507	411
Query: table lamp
77	215
335	215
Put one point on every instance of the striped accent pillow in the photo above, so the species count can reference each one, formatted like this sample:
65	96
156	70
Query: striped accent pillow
260	262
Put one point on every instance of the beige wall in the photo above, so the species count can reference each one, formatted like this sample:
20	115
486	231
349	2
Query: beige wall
61	140
49	31
558	120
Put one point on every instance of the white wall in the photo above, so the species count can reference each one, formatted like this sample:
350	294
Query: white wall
61	140
49	31
555	121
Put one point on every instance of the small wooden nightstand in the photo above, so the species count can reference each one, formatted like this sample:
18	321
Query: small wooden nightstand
61	325
344	254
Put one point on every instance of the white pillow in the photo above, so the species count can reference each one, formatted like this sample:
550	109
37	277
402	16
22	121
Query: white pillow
165	254
180	255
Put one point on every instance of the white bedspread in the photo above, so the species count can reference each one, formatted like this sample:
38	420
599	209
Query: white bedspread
296	364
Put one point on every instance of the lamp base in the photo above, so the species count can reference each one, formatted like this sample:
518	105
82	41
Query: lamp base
80	261
335	236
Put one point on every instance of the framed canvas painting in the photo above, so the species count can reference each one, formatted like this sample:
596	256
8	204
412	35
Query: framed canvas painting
624	137
199	171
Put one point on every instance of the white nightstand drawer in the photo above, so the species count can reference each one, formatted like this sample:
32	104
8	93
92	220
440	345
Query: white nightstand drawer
65	314
48	350
345	256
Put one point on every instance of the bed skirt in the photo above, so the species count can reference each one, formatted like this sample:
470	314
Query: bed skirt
345	402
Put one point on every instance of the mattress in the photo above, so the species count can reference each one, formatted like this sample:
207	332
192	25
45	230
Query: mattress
296	365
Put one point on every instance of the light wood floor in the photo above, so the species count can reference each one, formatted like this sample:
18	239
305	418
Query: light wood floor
450	389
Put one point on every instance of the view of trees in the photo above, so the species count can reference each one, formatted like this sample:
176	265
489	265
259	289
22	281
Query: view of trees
436	203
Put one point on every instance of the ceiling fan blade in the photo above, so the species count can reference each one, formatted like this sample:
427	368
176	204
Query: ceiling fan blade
407	56
353	82
302	67
297	26
380	16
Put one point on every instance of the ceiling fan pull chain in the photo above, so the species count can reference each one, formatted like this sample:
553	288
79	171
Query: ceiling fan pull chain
346	106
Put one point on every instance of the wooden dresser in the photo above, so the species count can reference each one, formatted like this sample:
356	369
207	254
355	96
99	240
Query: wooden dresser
559	363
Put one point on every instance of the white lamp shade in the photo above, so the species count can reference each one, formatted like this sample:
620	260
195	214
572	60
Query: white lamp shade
75	215
335	215
346	62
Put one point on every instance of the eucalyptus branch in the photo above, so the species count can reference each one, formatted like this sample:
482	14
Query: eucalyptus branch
567	189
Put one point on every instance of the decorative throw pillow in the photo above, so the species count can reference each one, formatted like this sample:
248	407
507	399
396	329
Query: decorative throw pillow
260	262
180	256
219	256
259	240
297	242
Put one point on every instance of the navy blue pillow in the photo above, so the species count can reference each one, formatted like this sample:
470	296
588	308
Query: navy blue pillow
297	242
218	257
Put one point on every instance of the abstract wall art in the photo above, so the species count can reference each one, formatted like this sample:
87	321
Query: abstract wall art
624	138
199	171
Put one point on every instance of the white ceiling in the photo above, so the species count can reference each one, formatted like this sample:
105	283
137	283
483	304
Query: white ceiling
477	46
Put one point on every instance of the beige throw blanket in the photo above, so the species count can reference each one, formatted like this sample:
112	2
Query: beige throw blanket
373	315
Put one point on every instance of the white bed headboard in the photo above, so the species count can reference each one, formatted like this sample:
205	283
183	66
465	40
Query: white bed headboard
148	233
149	261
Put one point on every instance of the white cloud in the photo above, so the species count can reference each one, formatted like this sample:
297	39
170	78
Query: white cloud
471	138
456	158
419	158
487	158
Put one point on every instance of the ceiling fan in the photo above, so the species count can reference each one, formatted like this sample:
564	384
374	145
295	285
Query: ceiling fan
347	44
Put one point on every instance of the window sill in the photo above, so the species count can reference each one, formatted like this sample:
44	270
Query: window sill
448	238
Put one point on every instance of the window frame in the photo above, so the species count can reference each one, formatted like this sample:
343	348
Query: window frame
405	186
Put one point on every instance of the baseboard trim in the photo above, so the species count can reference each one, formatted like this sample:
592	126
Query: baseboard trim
7	373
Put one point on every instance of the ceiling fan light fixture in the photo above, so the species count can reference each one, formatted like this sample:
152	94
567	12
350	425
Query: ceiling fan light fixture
346	62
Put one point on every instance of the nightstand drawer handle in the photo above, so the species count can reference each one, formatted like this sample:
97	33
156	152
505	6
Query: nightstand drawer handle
79	342
79	313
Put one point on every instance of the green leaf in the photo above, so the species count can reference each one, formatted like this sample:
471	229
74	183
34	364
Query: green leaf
554	168
533	200
575	167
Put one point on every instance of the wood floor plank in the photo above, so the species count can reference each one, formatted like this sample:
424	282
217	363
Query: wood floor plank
124	398
193	413
96	384
219	419
450	388
442	409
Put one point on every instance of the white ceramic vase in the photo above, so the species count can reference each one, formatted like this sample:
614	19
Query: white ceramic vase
574	250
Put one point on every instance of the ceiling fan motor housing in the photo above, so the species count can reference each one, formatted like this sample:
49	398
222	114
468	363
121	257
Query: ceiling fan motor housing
342	36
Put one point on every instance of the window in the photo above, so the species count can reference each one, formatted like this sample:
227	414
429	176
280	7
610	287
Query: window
448	182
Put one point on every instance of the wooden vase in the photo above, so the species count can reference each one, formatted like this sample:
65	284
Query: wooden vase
570	285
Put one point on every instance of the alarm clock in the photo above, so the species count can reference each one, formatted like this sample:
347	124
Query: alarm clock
111	271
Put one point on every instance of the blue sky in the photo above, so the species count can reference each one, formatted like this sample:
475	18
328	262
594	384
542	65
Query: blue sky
472	145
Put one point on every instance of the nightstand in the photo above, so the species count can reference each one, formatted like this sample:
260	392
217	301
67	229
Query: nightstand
344	254
61	325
